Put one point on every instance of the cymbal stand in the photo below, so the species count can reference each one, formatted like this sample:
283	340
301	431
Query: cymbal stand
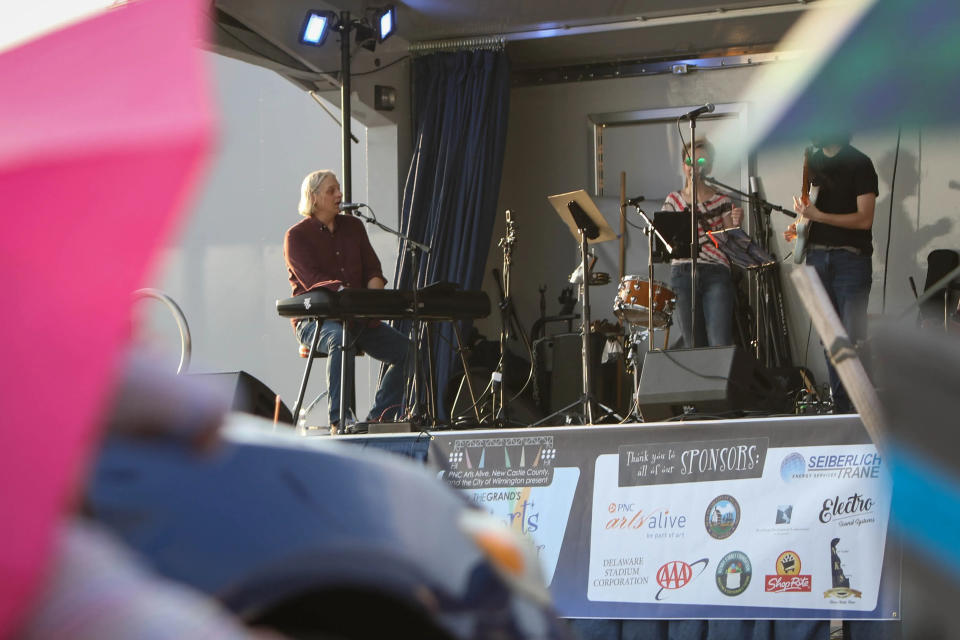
498	408
633	365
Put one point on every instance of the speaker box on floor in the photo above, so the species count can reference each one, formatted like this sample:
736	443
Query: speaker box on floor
713	380
249	395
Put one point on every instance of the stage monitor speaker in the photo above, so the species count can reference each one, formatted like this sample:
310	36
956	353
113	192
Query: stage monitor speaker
713	380
249	395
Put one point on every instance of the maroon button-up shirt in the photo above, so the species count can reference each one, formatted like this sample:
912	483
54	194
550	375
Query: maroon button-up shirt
317	257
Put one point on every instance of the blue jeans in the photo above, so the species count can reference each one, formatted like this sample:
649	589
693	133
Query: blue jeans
715	300
847	278
381	342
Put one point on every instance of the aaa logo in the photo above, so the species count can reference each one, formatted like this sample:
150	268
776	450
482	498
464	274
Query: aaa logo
678	574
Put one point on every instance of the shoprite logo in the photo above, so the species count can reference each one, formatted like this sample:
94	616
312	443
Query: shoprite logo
788	577
677	574
722	517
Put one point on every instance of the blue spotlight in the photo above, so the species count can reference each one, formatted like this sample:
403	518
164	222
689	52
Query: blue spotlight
315	27
387	22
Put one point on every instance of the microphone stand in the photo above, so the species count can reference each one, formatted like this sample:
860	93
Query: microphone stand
771	341
766	205
414	249
411	243
694	230
650	232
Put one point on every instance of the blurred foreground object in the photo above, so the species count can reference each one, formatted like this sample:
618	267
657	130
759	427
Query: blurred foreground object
150	402
93	169
914	414
857	65
841	352
918	375
311	537
97	589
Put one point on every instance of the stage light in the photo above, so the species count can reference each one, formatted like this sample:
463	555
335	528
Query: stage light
387	22
315	27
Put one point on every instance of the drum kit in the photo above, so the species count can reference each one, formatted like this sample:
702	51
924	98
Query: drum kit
632	305
642	304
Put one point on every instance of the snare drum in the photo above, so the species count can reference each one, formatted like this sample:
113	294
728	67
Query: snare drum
630	305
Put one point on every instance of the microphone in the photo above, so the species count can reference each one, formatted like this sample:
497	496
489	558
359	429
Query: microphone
690	115
351	206
635	201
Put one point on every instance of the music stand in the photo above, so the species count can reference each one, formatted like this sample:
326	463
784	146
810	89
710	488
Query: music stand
740	249
674	226
588	226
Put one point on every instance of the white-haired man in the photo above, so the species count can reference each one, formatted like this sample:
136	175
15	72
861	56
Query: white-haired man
330	250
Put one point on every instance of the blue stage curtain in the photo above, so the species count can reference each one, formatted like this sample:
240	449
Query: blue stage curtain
460	104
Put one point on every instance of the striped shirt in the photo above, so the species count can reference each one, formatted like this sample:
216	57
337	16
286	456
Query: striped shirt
711	211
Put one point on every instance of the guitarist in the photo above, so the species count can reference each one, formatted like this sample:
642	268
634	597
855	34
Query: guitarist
840	240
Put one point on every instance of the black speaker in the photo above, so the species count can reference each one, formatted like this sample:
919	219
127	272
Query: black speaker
713	380
566	369
249	394
559	361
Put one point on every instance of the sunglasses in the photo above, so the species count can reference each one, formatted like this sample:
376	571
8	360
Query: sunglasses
700	161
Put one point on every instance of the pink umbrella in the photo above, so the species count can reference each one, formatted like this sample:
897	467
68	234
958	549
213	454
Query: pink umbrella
104	131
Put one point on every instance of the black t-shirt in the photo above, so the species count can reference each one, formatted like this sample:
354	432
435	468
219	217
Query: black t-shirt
841	179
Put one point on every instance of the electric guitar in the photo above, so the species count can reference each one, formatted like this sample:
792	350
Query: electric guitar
803	224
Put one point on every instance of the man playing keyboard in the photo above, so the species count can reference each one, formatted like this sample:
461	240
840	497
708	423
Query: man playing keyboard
330	250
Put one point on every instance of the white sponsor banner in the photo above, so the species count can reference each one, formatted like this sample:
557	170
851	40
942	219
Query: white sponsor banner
807	533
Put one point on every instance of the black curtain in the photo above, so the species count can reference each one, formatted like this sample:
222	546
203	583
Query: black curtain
460	104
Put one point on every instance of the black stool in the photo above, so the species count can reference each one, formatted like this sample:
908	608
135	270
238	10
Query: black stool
310	353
